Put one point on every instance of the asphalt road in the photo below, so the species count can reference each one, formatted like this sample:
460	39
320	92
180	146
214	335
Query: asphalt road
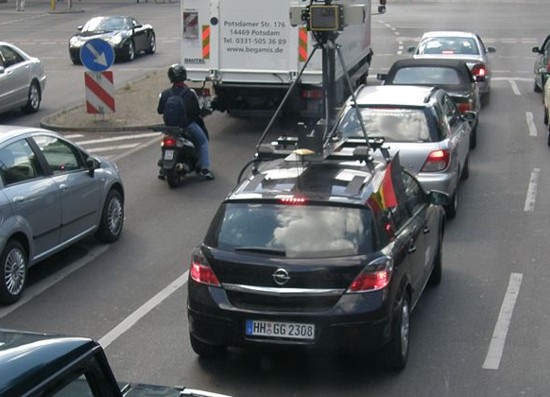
482	332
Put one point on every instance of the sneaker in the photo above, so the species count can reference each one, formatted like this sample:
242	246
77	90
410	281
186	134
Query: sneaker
206	174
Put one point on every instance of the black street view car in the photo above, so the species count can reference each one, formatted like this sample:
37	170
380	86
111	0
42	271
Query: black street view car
328	254
127	36
39	365
452	75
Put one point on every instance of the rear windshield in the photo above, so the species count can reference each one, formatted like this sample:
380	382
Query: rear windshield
293	231
448	46
427	75
394	124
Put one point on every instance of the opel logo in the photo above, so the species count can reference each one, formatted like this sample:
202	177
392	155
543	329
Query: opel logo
281	276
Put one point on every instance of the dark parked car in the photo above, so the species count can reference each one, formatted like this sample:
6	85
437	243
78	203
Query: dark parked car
452	75
330	254
52	194
542	64
39	365
127	36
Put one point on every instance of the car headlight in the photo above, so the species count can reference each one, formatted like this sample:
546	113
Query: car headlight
116	39
74	41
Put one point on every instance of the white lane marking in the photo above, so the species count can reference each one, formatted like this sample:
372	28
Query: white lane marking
111	148
133	318
531	123
492	360
514	87
71	136
120	138
36	289
137	149
532	191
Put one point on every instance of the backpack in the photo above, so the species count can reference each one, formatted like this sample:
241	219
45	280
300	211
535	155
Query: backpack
174	114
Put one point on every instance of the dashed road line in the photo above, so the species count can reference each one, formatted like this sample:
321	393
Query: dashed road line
498	341
531	196
531	123
514	86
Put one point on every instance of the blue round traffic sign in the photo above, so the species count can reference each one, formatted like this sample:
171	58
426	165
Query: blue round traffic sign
97	55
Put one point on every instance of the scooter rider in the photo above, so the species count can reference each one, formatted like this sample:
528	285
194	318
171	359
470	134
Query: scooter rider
196	127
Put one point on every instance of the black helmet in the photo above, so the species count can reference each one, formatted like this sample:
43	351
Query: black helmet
177	73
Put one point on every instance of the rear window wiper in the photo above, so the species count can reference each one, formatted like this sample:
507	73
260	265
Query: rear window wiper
262	250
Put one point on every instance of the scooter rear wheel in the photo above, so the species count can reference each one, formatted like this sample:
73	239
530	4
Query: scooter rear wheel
174	178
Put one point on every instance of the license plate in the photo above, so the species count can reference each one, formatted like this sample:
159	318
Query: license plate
280	330
168	155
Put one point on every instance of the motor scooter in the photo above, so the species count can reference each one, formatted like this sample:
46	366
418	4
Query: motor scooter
179	155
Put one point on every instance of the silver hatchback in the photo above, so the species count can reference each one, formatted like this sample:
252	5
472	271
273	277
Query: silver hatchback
423	124
52	194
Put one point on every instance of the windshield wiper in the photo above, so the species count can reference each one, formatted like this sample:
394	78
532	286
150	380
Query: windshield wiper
262	250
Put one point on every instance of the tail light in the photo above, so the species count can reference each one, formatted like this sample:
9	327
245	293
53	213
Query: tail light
314	93
200	271
479	70
169	141
437	160
375	276
464	106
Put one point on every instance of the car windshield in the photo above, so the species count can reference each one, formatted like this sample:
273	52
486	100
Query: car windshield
294	231
105	24
427	75
393	124
448	46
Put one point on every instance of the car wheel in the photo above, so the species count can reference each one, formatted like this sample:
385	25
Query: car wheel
112	218
152	44
131	55
465	169
13	271
206	350
545	115
435	277
473	138
548	139
396	353
34	98
486	98
536	88
451	208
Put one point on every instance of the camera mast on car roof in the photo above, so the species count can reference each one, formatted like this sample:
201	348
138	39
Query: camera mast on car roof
324	20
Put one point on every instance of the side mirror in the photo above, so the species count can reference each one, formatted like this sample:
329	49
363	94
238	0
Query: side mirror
411	49
138	26
439	198
469	115
536	50
381	76
2	69
492	50
381	9
79	28
92	164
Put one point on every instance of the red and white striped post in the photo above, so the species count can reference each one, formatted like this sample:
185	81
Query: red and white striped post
100	90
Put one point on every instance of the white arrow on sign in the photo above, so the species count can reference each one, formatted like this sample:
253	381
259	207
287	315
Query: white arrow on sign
98	58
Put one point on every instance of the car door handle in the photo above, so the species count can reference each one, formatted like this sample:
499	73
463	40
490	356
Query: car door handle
63	187
426	229
18	199
412	247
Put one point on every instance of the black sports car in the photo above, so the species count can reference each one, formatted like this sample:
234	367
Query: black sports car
127	36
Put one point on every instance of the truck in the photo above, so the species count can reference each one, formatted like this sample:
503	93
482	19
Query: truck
250	54
34	364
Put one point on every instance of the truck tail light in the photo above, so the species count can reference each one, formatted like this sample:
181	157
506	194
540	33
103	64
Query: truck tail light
437	160
200	270
312	93
376	275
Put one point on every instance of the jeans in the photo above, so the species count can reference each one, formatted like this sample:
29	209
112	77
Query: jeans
198	137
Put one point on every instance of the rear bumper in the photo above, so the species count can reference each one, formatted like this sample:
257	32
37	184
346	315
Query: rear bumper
442	182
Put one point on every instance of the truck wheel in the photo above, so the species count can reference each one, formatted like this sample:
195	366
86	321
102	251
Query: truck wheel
112	218
206	350
396	353
13	272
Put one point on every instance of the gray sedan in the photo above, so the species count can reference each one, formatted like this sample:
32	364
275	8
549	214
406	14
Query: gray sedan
52	194
22	80
423	124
